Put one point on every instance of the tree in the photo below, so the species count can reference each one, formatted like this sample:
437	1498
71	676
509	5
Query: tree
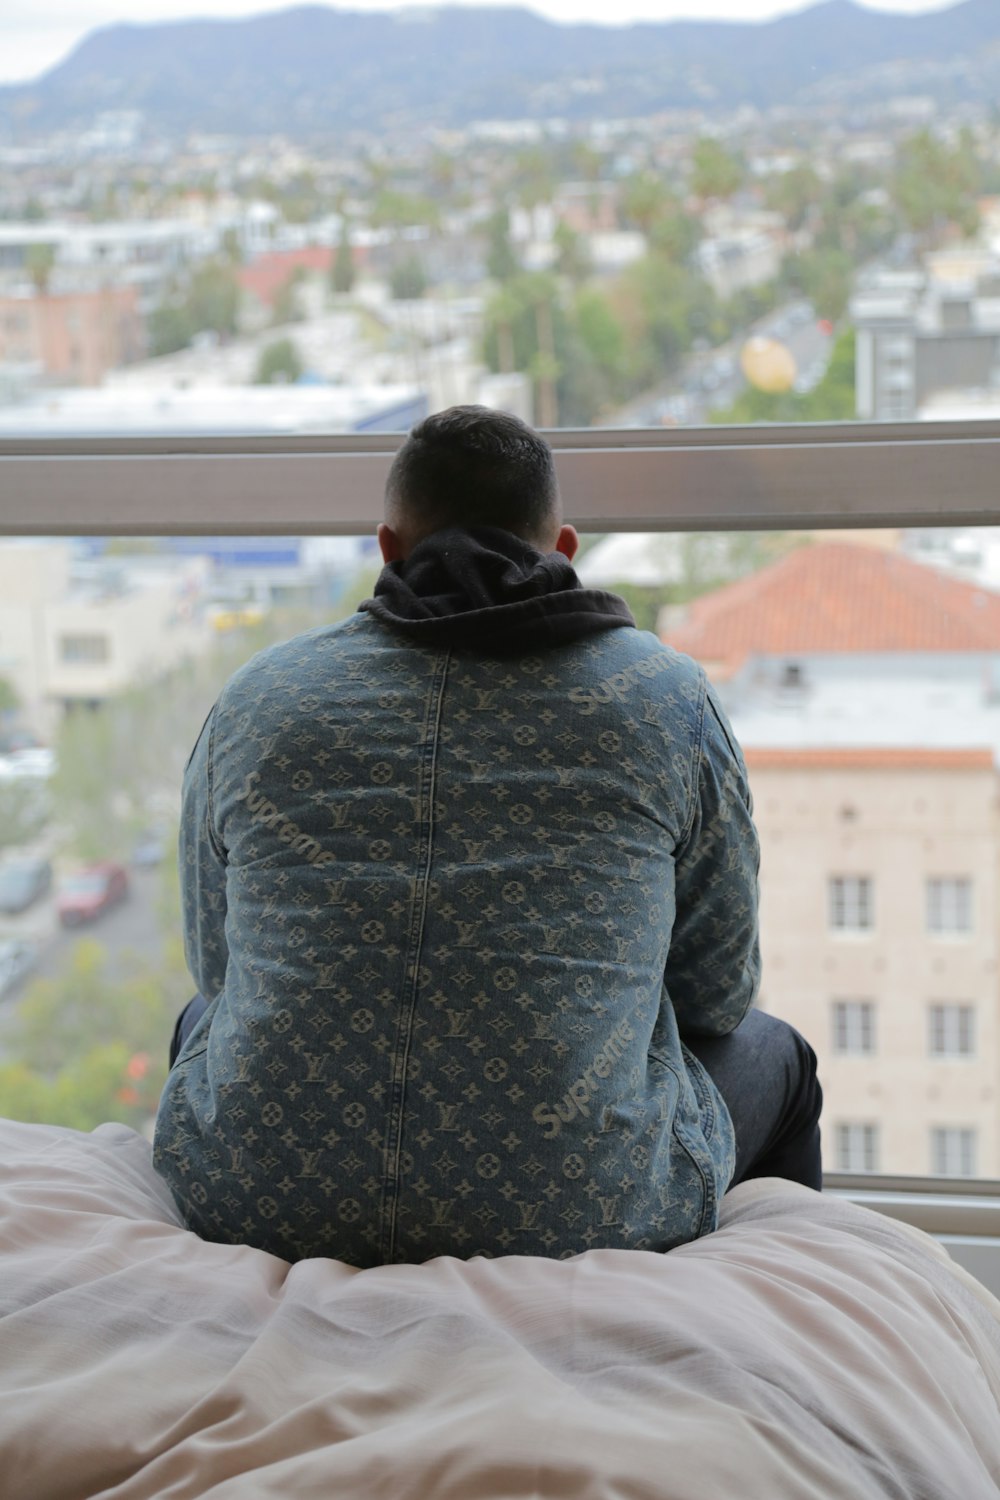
572	259
169	328
213	299
794	194
91	1046
408	279
10	702
501	261
936	185
24	811
39	261
279	364
715	172
342	271
287	301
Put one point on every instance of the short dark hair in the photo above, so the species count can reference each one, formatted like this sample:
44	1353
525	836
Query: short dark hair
471	466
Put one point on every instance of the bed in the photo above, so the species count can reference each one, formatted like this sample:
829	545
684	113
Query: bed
808	1348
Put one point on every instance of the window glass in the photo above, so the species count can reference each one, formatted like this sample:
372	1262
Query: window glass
853	1026
851	903
949	904
953	1151
873	771
593	234
856	1147
952	1030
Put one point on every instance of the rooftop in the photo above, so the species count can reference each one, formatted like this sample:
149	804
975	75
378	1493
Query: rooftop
838	598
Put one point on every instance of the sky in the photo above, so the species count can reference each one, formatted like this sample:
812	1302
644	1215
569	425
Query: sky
37	34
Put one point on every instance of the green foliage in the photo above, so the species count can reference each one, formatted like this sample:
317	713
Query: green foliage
39	261
794	194
280	363
715	172
649	206
287	301
396	210
213	299
24	811
408	279
936	184
210	303
169	328
92	1045
501	262
572	259
663	307
342	271
9	700
831	400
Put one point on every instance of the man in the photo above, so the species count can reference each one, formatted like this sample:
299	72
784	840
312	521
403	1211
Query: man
470	884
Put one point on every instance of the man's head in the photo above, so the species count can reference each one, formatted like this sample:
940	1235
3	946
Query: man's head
470	466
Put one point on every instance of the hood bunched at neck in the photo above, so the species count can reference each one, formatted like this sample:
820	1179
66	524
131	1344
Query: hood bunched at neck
488	590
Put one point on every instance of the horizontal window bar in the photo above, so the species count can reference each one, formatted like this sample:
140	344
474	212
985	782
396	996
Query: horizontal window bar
735	478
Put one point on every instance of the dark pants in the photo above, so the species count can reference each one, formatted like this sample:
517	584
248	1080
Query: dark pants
764	1070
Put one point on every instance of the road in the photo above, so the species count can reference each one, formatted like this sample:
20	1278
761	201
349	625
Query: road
711	379
132	927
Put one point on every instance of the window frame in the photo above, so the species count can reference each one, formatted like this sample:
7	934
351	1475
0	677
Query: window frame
958	1020
854	1132
815	476
783	477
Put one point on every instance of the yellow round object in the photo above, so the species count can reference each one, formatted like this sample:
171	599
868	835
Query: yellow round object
768	364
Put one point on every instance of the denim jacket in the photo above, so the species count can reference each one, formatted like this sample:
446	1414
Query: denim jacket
455	915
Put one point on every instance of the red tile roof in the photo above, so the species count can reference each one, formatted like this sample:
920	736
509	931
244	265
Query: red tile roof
838	597
266	275
869	759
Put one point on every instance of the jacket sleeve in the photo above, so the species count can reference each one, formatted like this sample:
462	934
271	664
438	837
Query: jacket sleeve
202	872
713	967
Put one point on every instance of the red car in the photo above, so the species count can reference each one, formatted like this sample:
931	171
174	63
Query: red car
96	889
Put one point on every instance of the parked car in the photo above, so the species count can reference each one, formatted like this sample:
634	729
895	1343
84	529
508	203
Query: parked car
150	848
90	892
17	960
22	883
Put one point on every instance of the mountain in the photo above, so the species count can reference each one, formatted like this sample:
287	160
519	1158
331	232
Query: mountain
317	71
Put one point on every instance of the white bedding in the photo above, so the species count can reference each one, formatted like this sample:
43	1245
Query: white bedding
806	1349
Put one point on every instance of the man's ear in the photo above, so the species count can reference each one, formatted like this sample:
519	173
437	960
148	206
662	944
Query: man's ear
389	544
567	542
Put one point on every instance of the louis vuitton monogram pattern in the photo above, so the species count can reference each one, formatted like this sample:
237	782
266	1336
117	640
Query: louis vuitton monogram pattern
456	913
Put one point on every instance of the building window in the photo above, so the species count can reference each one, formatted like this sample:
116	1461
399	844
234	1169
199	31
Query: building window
857	1147
852	903
953	1151
949	904
84	650
952	1030
854	1026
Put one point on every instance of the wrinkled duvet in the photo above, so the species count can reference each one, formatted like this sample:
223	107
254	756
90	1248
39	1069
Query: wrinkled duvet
808	1348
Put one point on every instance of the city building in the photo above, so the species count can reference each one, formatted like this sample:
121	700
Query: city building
927	334
864	688
74	632
71	337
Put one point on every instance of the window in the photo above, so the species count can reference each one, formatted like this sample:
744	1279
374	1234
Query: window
852	903
84	650
949	904
952	1030
854	1026
857	1146
953	1151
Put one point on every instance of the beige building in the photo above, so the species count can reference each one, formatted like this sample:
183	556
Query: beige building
865	690
880	894
74	634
